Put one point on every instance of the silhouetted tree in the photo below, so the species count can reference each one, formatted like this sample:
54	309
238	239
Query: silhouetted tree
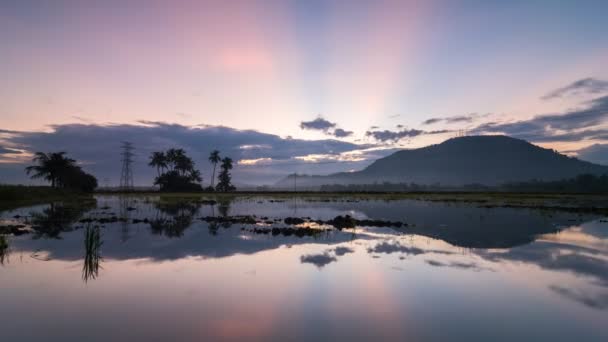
180	175
50	166
158	160
214	158
61	171
224	177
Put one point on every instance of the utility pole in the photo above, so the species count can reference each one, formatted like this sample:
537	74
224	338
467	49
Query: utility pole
126	175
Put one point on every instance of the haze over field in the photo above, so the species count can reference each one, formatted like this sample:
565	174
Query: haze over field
313	87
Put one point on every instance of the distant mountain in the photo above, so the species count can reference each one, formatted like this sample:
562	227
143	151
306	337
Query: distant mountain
487	160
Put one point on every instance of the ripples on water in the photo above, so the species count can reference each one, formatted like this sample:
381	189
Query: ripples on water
150	268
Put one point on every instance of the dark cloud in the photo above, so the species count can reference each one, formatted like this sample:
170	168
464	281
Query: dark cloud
319	260
340	133
453	119
319	124
583	86
432	121
394	136
97	146
387	135
569	126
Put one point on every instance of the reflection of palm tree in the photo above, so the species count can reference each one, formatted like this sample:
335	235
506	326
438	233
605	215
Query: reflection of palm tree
3	249
92	253
180	217
58	217
214	158
50	166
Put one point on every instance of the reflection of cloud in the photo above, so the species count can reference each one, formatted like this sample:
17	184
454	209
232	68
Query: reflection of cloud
388	248
319	260
328	256
557	257
456	264
343	250
396	247
595	301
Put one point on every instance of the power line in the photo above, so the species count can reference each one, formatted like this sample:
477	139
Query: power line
126	175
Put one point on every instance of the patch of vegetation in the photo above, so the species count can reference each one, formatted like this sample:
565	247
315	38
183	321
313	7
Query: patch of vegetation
61	172
14	196
176	171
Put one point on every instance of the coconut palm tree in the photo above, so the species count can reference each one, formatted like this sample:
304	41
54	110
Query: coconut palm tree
214	158
224	177
158	160
51	166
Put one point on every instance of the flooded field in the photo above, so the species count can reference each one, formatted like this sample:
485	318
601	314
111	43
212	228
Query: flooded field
279	268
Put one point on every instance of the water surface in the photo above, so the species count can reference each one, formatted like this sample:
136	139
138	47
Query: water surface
157	269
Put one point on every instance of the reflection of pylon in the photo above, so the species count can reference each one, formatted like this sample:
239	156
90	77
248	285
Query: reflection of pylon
126	176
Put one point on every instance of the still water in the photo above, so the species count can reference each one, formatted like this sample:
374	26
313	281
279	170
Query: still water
159	269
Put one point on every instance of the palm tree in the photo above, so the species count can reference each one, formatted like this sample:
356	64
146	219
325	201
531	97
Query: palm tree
158	160
51	166
224	183
214	158
227	163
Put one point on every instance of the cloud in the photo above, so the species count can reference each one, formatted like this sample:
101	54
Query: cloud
340	133
98	147
570	126
581	87
394	136
4	150
327	127
319	124
454	119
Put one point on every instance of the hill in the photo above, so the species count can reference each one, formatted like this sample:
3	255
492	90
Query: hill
487	160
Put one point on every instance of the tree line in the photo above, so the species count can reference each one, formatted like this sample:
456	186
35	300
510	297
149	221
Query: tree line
61	172
175	172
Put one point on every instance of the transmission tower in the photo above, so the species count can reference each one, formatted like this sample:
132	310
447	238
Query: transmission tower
126	176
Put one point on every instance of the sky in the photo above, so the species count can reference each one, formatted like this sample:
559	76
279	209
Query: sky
295	86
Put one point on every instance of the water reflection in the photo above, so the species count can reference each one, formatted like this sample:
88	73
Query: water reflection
58	217
172	218
92	256
471	268
4	249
